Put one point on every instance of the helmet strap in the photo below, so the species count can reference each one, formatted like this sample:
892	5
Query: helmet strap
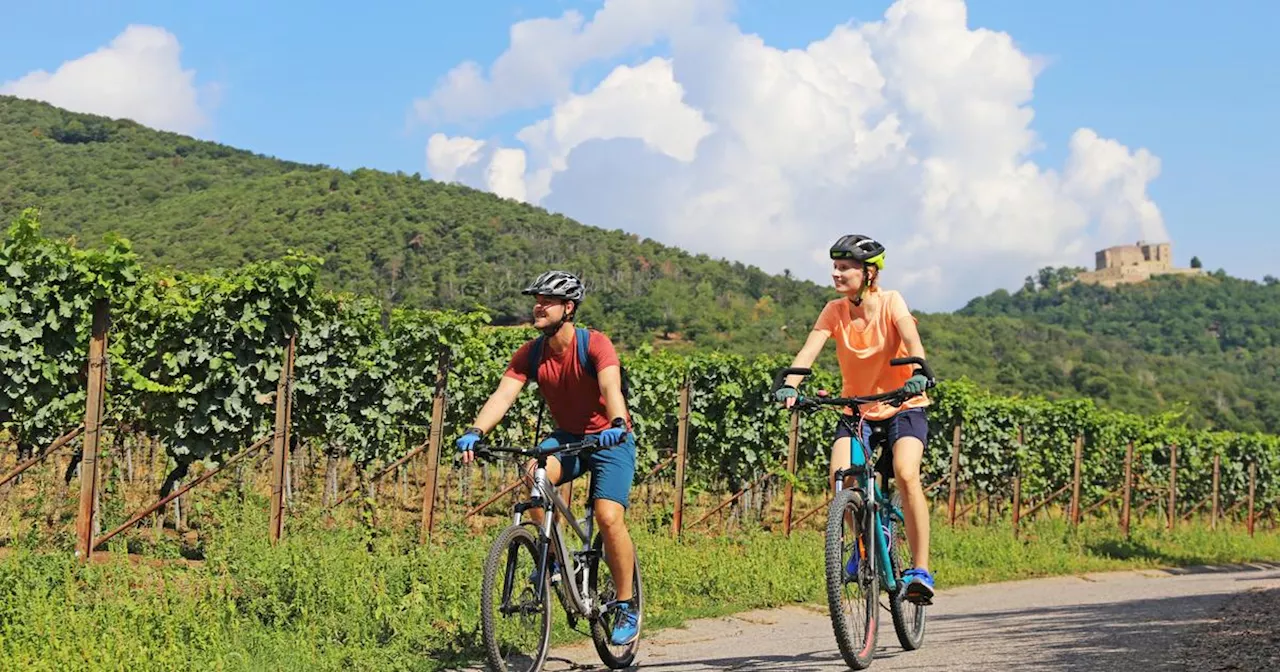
866	283
553	329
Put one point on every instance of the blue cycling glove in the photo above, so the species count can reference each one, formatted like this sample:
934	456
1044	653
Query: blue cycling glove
784	393
468	441
615	434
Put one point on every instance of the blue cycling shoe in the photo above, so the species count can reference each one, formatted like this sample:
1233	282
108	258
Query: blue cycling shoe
919	588
627	625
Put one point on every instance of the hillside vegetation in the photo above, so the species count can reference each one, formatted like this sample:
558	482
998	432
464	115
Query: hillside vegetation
1212	342
1207	344
200	205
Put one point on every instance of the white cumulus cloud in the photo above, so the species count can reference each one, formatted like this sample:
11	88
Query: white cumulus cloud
914	128
138	76
446	155
545	53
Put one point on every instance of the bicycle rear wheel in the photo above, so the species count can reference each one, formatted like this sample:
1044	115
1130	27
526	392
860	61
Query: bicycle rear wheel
853	599
515	620
908	617
600	582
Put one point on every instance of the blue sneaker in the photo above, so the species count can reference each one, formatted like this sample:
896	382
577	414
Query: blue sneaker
851	569
626	626
919	588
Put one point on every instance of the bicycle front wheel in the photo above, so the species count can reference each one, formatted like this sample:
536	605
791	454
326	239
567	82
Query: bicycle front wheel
515	617
852	596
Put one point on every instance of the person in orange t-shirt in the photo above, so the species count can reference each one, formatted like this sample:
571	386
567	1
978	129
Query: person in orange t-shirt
872	326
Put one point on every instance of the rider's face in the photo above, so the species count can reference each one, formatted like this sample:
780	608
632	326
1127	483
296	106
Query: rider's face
548	310
848	275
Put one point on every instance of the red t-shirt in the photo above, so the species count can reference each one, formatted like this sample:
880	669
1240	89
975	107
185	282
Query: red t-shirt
573	395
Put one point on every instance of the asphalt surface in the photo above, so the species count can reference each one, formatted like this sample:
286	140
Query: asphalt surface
1142	620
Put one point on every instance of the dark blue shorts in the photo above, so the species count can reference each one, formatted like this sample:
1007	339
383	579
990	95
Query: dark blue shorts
910	422
612	469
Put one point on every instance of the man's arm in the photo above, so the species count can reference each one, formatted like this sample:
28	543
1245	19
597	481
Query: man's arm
610	379
499	403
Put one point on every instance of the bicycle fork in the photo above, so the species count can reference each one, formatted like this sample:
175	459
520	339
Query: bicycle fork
873	518
539	499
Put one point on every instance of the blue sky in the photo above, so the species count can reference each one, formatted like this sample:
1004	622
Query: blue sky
1195	83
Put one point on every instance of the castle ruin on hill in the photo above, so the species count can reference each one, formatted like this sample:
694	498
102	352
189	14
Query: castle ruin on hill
1125	264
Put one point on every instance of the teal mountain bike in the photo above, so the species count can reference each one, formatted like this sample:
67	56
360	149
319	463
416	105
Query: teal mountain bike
866	544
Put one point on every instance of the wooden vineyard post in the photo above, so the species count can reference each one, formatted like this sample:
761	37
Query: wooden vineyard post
955	472
793	446
1173	485
682	442
1075	482
1017	487
433	451
92	431
1217	465
1125	510
280	440
1253	482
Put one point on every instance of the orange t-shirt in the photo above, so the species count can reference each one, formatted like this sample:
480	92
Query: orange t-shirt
866	339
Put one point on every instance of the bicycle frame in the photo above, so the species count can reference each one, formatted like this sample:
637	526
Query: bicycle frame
544	495
863	470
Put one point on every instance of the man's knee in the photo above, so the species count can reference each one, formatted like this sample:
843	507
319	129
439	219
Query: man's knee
610	515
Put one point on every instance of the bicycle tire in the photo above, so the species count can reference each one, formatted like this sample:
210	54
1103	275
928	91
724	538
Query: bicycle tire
908	619
512	537
856	648
601	629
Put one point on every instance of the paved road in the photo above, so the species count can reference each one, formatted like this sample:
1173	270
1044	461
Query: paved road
1121	620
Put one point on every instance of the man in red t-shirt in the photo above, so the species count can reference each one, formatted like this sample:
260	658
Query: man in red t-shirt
580	405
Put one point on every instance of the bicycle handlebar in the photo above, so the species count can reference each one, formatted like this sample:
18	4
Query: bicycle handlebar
486	451
899	394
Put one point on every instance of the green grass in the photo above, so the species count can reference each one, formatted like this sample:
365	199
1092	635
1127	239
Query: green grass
340	598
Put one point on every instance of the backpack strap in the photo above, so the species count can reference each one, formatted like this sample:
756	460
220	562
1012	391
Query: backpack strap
584	345
535	359
584	359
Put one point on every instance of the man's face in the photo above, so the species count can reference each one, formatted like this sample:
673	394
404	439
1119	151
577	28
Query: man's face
548	310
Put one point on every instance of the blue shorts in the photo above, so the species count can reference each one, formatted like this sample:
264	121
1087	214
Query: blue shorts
909	422
612	469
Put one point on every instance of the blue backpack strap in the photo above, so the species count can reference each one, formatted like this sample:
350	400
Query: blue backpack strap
535	359
584	344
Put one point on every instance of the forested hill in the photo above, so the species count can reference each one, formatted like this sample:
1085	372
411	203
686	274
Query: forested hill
1168	315
1207	344
1210	342
198	205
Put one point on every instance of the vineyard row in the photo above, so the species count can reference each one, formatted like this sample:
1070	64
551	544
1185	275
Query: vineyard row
194	360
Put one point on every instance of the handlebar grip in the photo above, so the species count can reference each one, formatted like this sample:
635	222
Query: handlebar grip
781	377
924	366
